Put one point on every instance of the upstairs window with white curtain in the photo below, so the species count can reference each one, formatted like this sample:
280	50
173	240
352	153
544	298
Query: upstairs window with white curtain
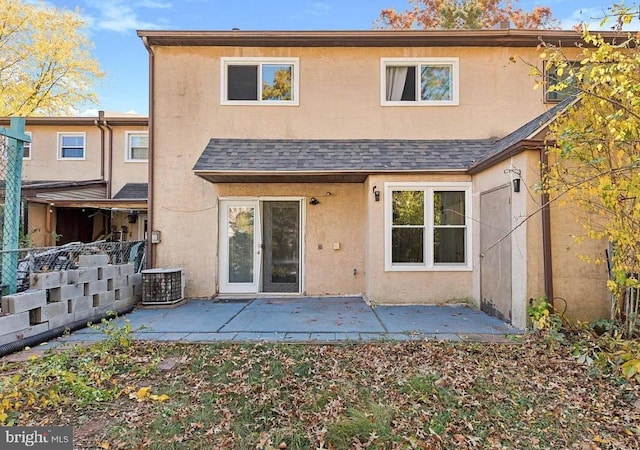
419	81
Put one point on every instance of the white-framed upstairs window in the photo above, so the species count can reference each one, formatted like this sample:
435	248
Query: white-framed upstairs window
419	81
71	146
26	147
137	146
260	81
427	226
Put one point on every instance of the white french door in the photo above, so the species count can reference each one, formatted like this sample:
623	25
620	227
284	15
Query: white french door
260	243
240	246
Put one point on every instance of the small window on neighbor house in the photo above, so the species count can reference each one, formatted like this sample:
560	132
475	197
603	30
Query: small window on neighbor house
71	146
26	147
260	81
137	146
410	81
552	78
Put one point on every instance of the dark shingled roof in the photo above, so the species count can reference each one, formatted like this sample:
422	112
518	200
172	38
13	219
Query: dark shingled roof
223	158
332	155
132	191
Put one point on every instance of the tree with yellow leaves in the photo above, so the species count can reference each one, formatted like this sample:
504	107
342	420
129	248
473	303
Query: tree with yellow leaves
594	151
46	67
466	14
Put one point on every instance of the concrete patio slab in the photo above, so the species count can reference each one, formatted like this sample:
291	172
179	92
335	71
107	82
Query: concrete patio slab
307	319
307	314
434	319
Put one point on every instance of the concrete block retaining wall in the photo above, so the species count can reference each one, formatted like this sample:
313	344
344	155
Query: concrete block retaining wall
60	298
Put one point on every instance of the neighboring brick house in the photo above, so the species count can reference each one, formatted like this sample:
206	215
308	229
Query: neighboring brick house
85	178
380	163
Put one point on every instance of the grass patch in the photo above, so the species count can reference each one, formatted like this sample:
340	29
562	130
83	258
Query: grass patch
376	395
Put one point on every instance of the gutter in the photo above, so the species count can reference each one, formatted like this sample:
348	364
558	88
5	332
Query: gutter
150	208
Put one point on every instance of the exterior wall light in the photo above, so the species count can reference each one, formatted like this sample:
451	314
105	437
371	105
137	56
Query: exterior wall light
376	193
314	201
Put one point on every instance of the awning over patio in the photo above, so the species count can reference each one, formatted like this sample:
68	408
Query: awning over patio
343	161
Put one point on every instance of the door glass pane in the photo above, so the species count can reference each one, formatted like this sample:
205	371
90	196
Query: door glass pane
241	244
284	244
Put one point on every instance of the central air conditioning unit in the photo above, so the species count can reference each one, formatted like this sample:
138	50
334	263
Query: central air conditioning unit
162	286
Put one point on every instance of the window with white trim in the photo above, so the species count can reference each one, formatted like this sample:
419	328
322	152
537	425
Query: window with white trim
427	226
419	81
71	145
26	147
250	81
554	76
137	146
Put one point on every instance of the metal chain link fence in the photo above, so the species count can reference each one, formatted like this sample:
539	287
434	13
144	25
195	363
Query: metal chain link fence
64	257
10	184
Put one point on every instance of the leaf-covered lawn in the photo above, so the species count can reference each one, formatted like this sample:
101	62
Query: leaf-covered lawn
383	395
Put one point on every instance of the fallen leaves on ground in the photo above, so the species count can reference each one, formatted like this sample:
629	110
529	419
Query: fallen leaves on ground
383	395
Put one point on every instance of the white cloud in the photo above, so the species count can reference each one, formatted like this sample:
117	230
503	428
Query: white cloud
121	16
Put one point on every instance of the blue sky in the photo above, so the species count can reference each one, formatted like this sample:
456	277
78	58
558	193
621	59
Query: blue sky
112	26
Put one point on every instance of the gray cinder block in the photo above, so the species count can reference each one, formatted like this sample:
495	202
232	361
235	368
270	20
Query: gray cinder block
95	287
23	301
93	260
66	292
82	275
48	280
14	322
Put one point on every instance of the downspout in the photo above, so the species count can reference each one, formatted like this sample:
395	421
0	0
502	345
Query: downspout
97	123
547	256
110	166
149	245
106	225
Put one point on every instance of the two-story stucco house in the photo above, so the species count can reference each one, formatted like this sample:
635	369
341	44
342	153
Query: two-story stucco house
399	165
85	178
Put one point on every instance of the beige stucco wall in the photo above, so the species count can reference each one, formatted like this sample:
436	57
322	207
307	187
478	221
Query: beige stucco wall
339	98
338	218
340	95
526	234
579	281
124	171
44	164
389	287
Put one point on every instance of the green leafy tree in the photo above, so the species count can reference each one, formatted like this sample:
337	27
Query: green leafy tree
46	67
594	157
